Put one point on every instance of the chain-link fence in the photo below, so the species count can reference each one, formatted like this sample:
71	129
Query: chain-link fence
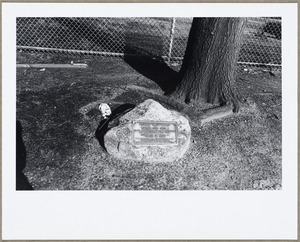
165	38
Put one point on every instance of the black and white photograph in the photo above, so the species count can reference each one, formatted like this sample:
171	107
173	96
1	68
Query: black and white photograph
167	103
149	103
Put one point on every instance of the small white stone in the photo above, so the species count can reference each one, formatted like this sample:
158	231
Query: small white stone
105	110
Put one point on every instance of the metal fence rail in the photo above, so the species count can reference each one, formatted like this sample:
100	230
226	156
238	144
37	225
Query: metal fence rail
165	38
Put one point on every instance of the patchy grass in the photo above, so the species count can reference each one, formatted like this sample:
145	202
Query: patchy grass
58	110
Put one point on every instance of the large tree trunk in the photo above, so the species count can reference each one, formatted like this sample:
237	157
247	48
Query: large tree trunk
208	70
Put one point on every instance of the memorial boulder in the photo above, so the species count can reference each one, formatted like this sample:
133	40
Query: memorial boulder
149	133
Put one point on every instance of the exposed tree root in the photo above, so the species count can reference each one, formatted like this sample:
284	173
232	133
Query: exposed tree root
207	115
215	113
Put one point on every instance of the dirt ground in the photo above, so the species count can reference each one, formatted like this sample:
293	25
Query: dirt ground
57	111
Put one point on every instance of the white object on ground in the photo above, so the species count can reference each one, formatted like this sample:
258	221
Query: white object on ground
105	110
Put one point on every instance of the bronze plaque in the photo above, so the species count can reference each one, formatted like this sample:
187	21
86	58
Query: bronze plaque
154	133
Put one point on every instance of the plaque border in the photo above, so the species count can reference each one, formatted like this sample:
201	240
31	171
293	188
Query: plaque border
149	121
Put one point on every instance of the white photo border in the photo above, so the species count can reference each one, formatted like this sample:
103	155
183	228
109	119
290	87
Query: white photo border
87	215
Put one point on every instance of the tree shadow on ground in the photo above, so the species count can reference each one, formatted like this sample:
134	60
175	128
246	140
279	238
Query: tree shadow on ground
112	121
155	70
143	53
22	182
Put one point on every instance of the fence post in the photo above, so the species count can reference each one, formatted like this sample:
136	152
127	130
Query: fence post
171	40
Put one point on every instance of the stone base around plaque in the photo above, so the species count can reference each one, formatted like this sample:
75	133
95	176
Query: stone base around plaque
149	133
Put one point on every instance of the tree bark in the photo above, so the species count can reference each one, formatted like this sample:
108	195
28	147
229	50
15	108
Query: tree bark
209	65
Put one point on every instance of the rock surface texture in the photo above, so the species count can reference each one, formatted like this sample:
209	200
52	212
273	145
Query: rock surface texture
149	133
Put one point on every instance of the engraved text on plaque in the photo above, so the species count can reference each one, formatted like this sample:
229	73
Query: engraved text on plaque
154	133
